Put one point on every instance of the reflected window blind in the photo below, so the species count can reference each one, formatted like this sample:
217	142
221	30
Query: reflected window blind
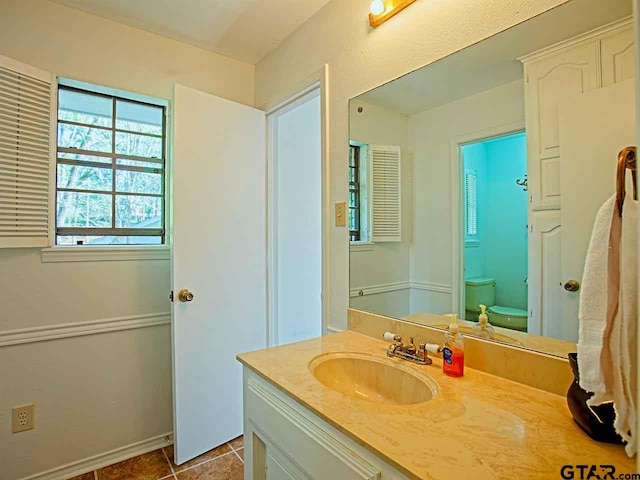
471	203
385	193
25	154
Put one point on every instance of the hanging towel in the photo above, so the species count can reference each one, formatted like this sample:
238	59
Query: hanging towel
623	338
598	302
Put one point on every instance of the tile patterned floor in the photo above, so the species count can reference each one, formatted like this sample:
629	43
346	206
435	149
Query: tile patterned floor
225	462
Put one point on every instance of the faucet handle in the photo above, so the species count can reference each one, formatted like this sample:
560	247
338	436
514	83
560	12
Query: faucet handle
391	337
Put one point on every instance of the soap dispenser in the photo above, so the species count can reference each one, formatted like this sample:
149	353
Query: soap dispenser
483	328
453	351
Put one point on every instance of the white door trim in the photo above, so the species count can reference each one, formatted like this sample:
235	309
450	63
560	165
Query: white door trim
316	84
457	230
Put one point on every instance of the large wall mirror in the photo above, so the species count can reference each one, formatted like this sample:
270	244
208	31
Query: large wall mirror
476	179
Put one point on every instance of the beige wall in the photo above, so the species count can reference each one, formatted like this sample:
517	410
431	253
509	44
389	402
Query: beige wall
101	392
360	58
383	263
431	134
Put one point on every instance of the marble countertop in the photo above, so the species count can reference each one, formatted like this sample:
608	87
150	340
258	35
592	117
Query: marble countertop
479	426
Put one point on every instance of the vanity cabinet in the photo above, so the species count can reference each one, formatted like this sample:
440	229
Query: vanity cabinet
285	441
588	62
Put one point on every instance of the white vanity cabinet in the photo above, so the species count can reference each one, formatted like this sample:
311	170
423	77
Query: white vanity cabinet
593	60
285	441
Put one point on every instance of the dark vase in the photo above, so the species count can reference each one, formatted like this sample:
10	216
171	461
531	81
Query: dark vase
602	431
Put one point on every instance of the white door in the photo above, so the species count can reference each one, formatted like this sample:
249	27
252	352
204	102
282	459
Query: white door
295	221
218	238
594	127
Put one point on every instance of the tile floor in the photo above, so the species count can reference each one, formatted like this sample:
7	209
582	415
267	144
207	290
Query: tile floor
225	462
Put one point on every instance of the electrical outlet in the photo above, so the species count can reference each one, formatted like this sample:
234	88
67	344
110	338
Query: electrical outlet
22	418
341	214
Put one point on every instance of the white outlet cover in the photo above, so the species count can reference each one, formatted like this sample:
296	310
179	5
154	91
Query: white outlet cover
22	418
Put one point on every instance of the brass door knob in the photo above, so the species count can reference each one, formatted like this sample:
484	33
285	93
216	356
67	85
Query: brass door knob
185	295
572	286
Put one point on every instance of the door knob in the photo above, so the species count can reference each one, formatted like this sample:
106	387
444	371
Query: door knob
185	295
572	286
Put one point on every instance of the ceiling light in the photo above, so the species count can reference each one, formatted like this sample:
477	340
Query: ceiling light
383	10
377	7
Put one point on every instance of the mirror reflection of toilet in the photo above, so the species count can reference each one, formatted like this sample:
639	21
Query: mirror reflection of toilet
482	291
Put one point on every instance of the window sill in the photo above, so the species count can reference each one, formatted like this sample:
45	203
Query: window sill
361	246
105	254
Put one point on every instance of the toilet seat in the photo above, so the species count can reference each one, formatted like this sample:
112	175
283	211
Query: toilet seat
508	317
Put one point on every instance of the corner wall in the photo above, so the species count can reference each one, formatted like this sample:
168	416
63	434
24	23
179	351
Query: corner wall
104	385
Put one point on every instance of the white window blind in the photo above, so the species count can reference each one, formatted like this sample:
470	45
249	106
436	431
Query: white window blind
25	154
471	204
385	193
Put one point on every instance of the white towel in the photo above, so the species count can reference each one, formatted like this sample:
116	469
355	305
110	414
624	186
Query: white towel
599	290
607	345
623	339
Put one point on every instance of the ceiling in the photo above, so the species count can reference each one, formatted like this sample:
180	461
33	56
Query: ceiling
246	30
492	62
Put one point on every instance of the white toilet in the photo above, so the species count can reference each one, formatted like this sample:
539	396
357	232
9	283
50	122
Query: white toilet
482	291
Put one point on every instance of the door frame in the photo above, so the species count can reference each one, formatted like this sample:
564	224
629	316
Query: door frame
457	220
315	84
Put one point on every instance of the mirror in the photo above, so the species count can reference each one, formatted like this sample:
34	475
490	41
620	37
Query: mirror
475	180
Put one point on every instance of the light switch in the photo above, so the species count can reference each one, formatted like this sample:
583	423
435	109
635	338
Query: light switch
341	214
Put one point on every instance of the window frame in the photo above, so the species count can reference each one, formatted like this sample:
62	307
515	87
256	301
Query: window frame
115	96
355	188
471	240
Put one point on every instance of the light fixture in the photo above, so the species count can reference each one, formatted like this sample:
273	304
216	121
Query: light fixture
383	10
377	7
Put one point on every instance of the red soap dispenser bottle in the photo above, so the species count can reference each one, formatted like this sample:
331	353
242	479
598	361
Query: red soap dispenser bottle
453	351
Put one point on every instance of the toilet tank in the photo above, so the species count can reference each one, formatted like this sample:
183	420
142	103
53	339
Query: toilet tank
479	291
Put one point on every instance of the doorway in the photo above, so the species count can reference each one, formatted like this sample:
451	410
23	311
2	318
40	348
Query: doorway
295	211
495	236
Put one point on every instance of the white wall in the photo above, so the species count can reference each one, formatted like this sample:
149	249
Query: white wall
383	264
299	223
361	58
431	134
98	392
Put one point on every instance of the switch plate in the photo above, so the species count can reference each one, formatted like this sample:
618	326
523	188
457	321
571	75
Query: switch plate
341	214
22	418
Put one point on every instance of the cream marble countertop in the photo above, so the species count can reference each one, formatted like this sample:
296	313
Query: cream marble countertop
479	426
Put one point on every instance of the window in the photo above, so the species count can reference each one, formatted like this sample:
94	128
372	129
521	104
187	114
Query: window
110	170
471	206
355	233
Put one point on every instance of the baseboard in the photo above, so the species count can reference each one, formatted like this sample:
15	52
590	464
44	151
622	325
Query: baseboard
78	329
104	459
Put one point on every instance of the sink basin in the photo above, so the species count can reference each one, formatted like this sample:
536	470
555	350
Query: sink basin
373	378
496	336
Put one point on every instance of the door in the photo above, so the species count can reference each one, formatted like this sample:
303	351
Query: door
295	221
594	127
218	238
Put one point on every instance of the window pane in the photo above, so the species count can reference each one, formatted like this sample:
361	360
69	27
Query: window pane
84	178
107	240
138	182
137	163
84	138
138	145
85	108
84	158
354	221
138	118
354	201
83	210
138	212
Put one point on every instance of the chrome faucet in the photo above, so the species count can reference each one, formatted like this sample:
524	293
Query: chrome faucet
410	352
